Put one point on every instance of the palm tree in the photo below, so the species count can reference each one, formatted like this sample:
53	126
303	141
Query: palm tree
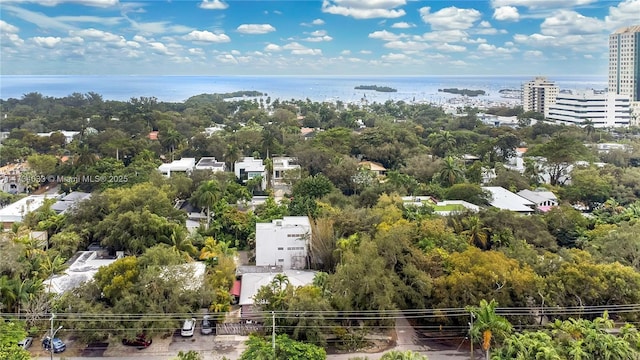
232	155
181	244
589	127
477	234
487	325
442	143
450	173
171	140
207	195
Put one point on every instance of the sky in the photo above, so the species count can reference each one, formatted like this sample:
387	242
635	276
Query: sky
306	37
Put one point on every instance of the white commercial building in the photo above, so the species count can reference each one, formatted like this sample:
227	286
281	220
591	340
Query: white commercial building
184	165
538	94
283	242
602	109
624	66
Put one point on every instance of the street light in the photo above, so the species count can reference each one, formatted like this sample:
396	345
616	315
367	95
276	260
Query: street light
53	334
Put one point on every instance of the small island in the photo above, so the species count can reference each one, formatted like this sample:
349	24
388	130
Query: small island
465	92
222	96
376	88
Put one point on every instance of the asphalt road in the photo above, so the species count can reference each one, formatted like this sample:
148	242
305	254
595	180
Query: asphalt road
217	347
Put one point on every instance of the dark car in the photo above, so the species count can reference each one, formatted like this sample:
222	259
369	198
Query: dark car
141	341
208	327
58	345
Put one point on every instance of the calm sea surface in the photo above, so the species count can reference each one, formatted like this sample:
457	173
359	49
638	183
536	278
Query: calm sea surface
316	88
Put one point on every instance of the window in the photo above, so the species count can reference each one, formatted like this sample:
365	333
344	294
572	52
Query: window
280	260
280	248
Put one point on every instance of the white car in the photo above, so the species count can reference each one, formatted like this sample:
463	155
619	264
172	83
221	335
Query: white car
188	327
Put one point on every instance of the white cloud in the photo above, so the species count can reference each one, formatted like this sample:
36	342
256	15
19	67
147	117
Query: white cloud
626	12
588	56
110	21
319	33
395	57
272	48
227	59
5	27
406	45
213	5
207	36
255	29
458	63
315	22
196	51
47	42
345	52
506	13
533	54
93	3
97	35
541	4
318	38
566	22
446	36
450	18
359	9
365	52
386	35
402	25
160	48
39	19
306	52
450	48
569	43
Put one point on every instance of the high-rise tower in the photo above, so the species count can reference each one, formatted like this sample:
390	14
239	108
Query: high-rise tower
624	62
538	94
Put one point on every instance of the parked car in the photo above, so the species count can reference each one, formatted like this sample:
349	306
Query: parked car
58	345
26	343
208	326
141	341
188	327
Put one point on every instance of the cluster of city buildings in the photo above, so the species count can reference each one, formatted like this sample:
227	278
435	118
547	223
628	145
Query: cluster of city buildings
619	105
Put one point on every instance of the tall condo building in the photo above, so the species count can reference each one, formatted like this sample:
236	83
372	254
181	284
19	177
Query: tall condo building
624	62
538	95
624	66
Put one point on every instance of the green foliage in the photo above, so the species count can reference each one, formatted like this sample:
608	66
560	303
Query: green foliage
403	355
12	332
188	355
259	348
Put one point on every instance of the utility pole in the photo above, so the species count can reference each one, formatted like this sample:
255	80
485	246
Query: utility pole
273	332
52	334
472	357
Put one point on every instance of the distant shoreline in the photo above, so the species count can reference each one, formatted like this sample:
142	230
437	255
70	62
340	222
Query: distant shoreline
376	88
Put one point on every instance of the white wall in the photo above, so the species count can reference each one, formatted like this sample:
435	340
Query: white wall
283	242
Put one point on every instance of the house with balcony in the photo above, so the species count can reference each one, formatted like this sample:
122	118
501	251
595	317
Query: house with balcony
10	178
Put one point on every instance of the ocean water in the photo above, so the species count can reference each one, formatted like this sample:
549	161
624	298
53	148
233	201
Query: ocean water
314	88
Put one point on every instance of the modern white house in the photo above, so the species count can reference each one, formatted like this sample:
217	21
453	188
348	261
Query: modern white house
281	165
284	242
210	163
249	168
15	212
184	165
602	109
504	199
542	198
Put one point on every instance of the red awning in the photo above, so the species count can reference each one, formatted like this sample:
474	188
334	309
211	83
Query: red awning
235	290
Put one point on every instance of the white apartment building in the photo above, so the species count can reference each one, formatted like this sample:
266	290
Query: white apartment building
603	109
624	66
10	181
283	242
184	165
538	94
